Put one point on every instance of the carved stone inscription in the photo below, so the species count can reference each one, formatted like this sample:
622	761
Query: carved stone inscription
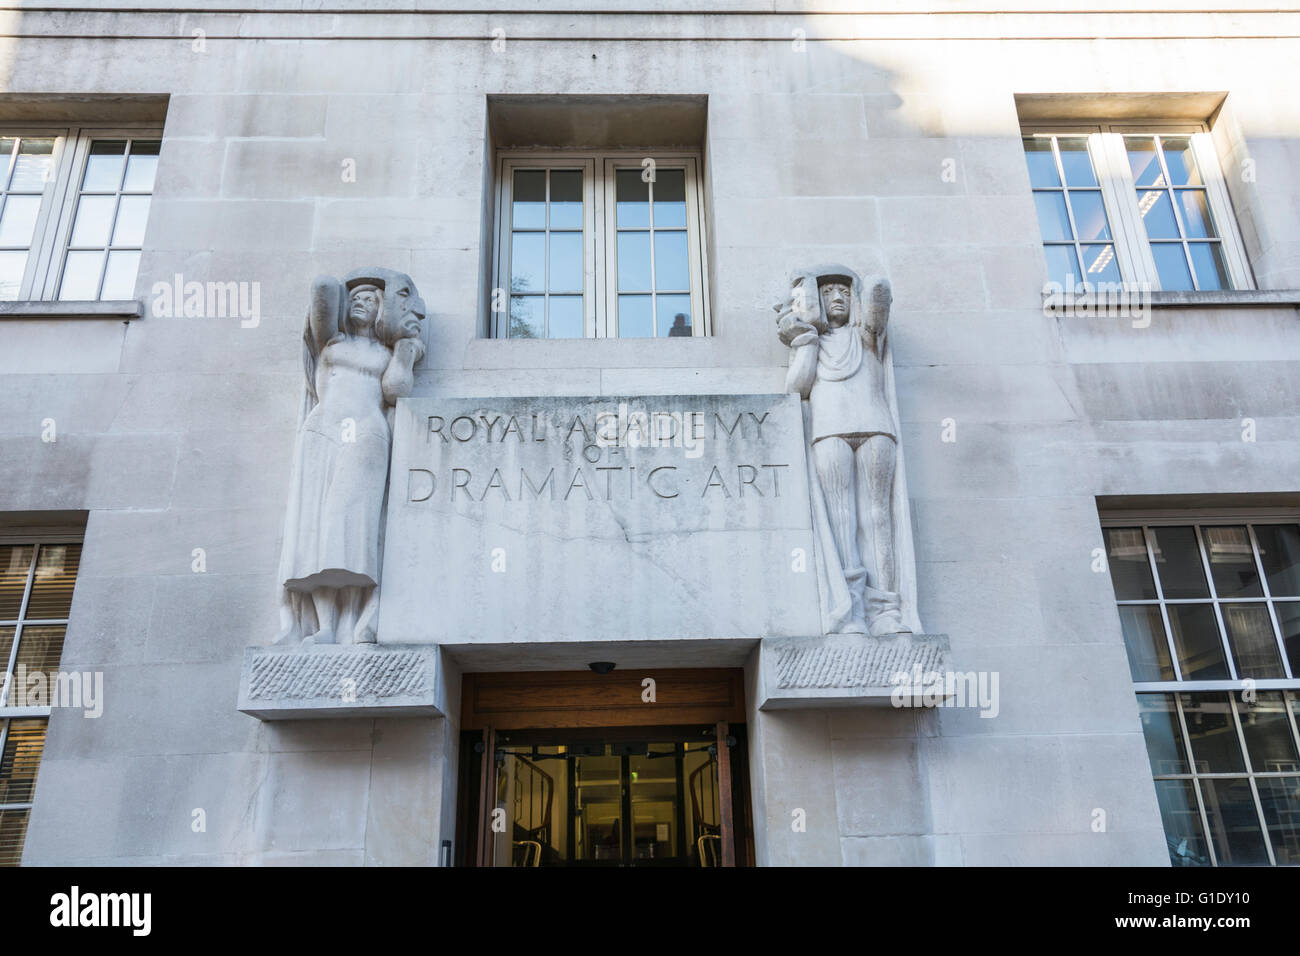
550	505
604	470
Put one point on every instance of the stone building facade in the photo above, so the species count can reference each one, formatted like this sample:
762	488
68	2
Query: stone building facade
1102	492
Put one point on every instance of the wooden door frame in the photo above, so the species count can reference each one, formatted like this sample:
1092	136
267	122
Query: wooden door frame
575	700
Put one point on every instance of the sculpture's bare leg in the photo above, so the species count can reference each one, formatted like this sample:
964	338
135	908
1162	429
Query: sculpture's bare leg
291	614
875	465
364	633
349	605
327	615
833	459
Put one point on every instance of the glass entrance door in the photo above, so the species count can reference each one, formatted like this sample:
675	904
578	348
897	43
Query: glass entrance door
653	801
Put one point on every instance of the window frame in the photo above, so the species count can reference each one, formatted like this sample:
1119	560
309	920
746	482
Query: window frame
600	289
8	713
1110	163
1288	688
41	248
53	231
6	667
1199	519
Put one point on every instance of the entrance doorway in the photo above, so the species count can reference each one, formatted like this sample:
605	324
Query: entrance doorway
585	795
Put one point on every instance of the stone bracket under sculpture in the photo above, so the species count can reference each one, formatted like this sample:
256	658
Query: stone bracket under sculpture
847	670
374	680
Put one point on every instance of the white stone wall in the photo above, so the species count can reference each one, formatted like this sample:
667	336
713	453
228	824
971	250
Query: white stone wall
176	434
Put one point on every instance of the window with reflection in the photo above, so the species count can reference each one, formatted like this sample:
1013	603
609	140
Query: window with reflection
1209	611
108	221
36	583
1143	206
27	186
74	203
595	246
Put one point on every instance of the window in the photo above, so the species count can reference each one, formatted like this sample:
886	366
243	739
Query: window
1141	205
36	582
75	203
1210	611
596	246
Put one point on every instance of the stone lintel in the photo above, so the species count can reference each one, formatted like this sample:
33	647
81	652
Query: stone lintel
847	670
362	680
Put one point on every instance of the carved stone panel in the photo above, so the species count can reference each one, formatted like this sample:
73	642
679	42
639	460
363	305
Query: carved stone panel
603	518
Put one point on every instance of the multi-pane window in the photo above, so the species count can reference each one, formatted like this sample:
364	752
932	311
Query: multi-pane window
1071	214
75	204
26	185
1210	612
549	224
36	583
652	253
607	245
112	207
1145	207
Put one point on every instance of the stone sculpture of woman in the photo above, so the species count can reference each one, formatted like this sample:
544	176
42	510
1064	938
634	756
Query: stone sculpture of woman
361	344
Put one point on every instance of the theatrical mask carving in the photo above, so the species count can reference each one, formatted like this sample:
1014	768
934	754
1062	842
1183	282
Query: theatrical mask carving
360	346
836	326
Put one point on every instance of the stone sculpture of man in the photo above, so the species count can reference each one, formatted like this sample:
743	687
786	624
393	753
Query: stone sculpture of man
840	363
361	343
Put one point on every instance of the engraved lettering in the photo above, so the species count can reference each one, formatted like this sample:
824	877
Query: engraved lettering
753	477
578	482
734	425
411	484
495	482
719	483
650	480
460	484
656	427
609	479
578	423
473	428
776	481
537	492
697	426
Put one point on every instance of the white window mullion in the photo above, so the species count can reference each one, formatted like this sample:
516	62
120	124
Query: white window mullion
591	248
695	223
1136	263
609	240
499	293
65	212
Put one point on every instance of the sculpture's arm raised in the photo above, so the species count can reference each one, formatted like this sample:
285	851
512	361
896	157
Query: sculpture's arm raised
324	313
878	299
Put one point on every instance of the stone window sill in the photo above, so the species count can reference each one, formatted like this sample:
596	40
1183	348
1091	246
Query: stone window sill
124	309
1248	298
